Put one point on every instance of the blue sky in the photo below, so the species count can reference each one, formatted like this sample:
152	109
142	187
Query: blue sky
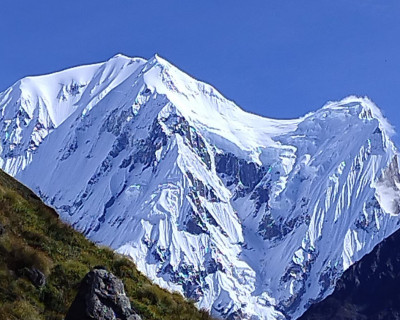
276	58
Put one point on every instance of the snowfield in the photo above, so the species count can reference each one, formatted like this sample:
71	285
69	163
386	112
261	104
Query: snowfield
254	218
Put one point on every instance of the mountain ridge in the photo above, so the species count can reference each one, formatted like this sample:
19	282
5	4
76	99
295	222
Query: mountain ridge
239	212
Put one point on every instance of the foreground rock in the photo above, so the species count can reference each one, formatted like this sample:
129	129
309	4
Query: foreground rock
101	296
36	276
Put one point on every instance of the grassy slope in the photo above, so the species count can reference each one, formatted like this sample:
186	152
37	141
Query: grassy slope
36	237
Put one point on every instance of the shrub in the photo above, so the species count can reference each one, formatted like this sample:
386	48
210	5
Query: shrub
54	300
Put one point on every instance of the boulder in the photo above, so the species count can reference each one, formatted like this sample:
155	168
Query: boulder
101	296
36	276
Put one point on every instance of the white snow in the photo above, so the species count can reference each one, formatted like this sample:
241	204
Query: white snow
129	152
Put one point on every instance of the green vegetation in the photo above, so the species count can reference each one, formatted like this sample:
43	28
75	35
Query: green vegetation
35	237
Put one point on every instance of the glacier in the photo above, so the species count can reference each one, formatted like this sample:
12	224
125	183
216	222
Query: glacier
253	218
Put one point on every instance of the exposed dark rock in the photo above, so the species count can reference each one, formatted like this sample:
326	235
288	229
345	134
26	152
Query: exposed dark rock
269	229
237	315
202	189
70	149
194	226
116	121
120	144
192	280
370	289
239	170
227	163
147	148
212	266
192	289
101	296
261	196
194	223
179	125
249	174
160	254
210	218
37	277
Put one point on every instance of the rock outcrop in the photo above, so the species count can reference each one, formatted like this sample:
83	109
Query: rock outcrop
36	276
101	296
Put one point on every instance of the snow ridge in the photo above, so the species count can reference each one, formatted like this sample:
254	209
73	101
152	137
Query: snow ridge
254	218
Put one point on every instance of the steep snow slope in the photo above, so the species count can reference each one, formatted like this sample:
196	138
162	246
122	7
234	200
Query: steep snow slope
34	106
368	290
252	217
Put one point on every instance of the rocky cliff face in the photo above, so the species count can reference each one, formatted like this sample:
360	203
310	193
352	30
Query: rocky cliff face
368	290
101	296
251	217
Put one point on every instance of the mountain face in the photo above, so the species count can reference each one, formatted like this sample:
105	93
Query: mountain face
369	289
253	218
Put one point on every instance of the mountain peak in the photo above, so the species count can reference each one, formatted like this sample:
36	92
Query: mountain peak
157	58
364	108
120	56
249	216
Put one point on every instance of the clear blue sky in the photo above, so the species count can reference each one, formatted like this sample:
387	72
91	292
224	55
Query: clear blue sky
276	58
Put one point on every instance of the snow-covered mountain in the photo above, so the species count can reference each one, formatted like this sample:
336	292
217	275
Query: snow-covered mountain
368	290
254	218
